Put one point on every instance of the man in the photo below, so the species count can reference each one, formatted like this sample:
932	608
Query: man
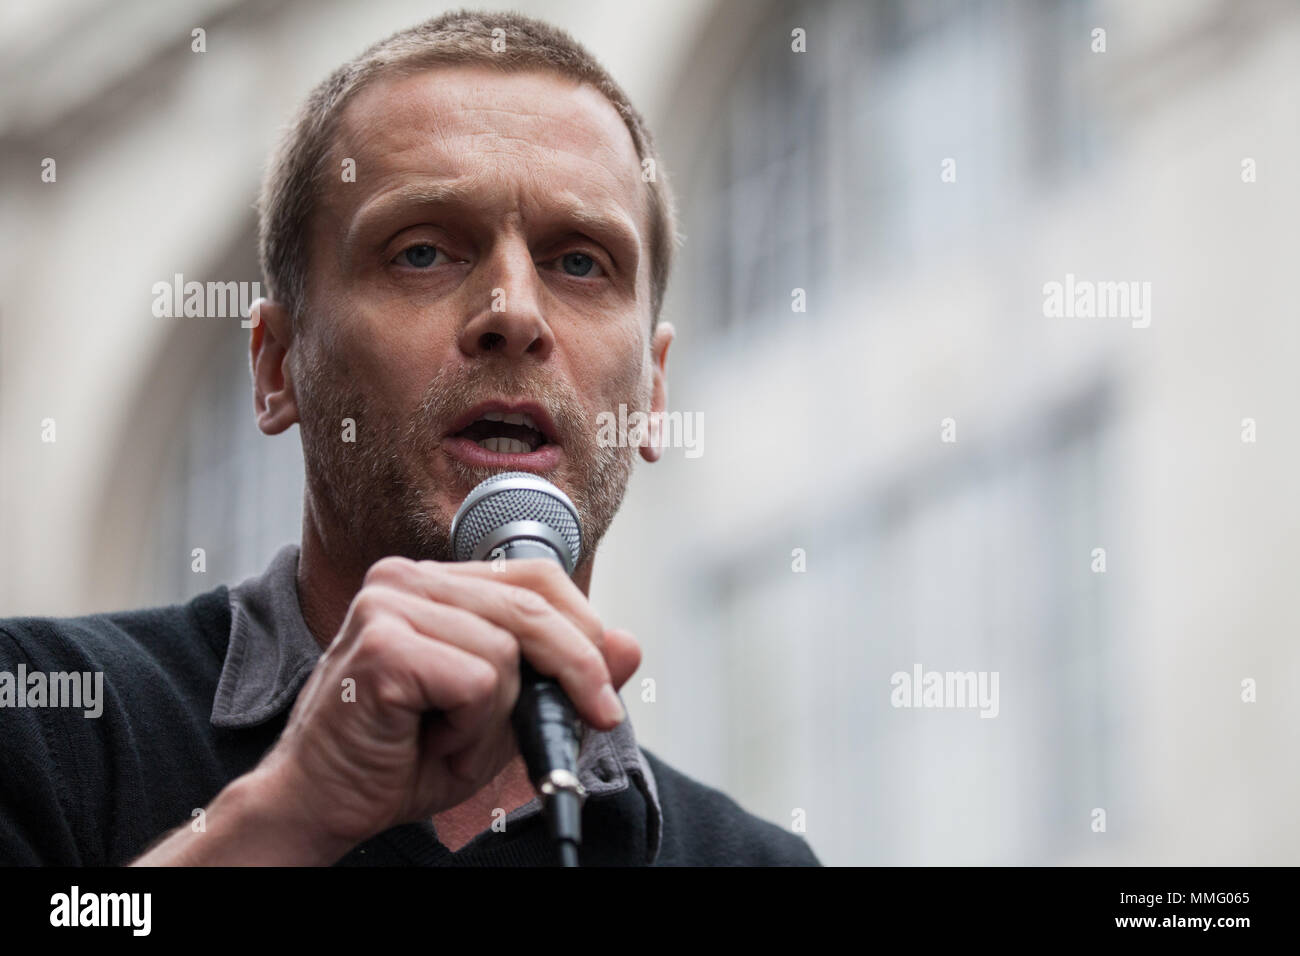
467	241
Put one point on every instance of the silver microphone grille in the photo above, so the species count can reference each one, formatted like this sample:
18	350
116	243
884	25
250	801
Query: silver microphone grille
508	499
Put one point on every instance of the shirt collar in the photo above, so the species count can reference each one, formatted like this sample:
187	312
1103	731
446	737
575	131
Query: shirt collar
272	652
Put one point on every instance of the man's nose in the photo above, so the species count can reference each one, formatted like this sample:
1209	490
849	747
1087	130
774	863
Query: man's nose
510	321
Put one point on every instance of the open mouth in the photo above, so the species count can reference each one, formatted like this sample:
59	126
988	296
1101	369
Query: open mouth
508	433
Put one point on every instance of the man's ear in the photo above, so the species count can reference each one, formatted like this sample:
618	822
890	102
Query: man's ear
663	337
274	399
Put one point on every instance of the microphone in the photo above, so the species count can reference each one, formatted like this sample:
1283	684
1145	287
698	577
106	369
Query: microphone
517	514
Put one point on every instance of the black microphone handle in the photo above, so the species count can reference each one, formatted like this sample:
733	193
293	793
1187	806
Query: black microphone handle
546	725
549	732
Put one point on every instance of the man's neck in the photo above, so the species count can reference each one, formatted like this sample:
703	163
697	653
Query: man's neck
509	790
325	590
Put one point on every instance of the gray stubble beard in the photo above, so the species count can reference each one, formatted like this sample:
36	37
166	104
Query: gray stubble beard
376	493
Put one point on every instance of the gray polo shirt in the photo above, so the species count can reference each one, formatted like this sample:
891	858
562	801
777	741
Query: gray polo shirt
272	652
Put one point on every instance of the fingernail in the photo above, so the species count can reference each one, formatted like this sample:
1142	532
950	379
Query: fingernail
611	706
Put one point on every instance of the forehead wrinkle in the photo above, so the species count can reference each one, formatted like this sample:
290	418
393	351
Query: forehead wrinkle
619	151
416	113
612	219
438	193
415	126
613	214
407	124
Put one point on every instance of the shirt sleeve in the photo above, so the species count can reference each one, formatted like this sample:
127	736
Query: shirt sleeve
35	827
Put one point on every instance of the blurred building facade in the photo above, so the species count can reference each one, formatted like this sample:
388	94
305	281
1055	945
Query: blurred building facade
920	172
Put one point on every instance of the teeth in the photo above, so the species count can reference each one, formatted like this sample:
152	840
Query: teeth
513	418
508	446
519	418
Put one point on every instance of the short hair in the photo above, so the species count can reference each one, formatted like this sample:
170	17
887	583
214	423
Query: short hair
296	172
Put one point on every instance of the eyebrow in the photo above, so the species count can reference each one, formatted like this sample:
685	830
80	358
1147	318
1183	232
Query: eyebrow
599	220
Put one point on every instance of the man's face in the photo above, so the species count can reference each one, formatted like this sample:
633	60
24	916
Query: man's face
490	259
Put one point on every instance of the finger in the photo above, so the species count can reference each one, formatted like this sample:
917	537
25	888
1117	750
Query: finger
441	738
417	675
542	576
433	579
623	654
482	760
548	639
470	759
454	623
499	601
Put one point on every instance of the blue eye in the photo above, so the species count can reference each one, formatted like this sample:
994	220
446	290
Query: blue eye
577	263
419	257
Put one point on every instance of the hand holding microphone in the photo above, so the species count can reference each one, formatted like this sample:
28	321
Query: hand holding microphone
436	651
